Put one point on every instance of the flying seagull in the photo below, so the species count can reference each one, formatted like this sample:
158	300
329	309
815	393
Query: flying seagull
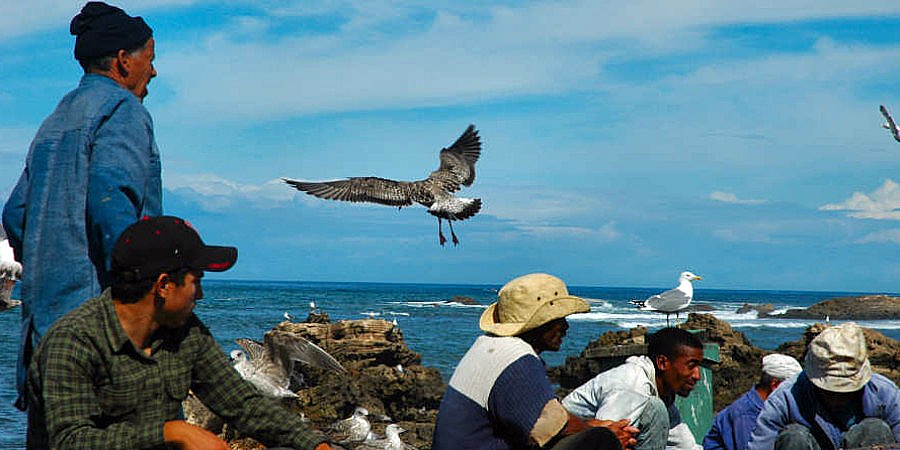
269	364
673	300
890	124
435	192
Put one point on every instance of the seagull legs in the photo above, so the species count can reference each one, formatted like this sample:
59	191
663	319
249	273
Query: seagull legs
441	237
452	234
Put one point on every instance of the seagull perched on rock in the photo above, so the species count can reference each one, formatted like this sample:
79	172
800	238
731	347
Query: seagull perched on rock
435	192
391	441
673	300
269	365
355	428
890	124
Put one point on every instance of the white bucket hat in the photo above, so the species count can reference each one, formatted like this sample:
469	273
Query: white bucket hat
836	359
528	302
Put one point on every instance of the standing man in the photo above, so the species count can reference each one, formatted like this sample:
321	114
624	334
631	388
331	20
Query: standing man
836	402
733	425
643	390
92	169
113	372
499	396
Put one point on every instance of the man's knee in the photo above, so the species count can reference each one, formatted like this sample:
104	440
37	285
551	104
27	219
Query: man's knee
796	437
870	431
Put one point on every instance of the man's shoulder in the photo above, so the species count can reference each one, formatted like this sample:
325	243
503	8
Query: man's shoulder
104	95
83	318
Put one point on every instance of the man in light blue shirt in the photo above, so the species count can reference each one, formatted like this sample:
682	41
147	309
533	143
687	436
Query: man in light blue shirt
733	425
92	170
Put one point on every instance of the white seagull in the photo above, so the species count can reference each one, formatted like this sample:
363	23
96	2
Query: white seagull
355	428
457	169
673	300
890	124
391	441
269	365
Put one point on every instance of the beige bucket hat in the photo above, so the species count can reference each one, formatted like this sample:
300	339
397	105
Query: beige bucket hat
528	302
836	359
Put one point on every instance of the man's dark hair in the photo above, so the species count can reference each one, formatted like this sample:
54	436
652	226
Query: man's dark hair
104	63
765	379
130	291
668	342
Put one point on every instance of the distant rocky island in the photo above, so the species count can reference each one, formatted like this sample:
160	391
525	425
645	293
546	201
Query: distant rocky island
865	307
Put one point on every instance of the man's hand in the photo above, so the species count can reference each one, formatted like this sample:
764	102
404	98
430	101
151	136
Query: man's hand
191	437
625	433
9	267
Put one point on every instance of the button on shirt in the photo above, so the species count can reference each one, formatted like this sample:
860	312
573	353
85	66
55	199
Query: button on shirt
89	386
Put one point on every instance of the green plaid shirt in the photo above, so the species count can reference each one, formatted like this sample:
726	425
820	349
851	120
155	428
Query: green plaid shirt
90	387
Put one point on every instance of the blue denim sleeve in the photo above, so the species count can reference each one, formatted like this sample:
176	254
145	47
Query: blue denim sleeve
122	157
14	215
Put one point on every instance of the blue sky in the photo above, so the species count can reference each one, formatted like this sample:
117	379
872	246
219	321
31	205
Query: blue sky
623	142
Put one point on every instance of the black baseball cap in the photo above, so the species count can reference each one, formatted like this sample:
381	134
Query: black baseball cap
155	245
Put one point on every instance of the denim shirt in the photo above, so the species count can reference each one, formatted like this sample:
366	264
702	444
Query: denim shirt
794	402
733	425
93	169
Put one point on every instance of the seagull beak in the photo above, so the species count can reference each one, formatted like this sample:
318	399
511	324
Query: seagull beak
698	278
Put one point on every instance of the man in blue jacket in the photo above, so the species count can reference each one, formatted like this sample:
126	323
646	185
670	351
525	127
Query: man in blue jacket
733	425
836	402
93	169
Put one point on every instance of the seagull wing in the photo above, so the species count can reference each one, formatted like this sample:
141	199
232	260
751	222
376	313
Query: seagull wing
291	347
256	351
358	189
669	301
458	161
890	121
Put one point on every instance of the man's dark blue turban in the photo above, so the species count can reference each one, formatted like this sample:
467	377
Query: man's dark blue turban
102	30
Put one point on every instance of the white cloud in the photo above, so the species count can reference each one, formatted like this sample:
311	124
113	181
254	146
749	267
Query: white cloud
891	236
729	197
607	232
219	193
883	203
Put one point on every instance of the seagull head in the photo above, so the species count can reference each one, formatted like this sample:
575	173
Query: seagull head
238	356
688	276
393	429
360	412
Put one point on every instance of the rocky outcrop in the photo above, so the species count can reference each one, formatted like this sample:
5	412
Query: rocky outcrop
762	310
463	300
385	377
866	307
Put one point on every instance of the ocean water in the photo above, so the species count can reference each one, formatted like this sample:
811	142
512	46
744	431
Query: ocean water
440	330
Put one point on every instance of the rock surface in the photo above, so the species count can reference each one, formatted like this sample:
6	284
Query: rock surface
762	310
867	307
463	300
385	377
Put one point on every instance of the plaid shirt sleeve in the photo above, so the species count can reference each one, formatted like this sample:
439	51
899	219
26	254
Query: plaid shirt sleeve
70	403
227	394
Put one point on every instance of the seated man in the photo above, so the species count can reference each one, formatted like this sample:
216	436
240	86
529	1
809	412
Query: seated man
836	402
499	396
643	390
113	372
732	427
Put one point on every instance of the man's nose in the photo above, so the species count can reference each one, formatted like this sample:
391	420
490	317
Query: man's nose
695	374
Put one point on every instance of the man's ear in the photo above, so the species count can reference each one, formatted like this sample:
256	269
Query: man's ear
662	362
122	63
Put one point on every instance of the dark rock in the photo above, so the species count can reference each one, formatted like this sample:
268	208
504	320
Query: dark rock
385	377
462	299
318	317
762	310
866	307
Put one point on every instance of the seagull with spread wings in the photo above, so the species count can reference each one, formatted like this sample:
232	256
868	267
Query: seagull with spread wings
890	124
457	169
269	364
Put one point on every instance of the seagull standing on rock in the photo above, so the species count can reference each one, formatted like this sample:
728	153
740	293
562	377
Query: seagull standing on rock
435	192
673	300
355	428
391	441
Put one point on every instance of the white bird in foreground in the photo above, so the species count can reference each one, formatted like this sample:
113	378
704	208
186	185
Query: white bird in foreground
673	300
391	441
355	428
890	124
457	169
9	267
269	365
